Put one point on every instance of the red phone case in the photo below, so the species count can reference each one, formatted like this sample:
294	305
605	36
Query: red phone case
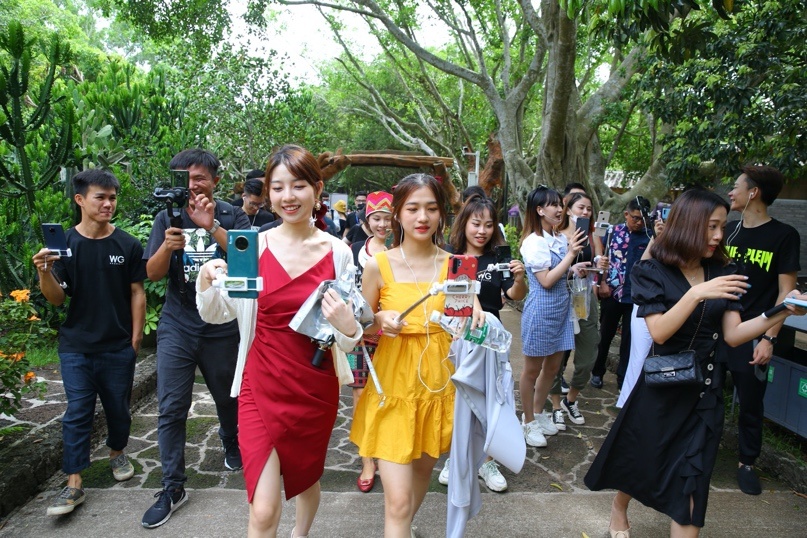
461	268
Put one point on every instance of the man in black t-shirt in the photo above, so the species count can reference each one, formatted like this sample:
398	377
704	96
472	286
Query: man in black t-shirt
238	201
184	341
767	251
100	338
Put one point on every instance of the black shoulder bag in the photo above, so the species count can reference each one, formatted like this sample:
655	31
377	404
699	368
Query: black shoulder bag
678	369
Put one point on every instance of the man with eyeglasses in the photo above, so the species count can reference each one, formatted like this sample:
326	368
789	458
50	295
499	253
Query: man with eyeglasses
628	242
254	203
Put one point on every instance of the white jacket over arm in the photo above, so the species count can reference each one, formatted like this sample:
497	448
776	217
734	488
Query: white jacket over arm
216	306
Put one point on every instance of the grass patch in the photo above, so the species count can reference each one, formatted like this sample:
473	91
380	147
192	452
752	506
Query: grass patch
785	441
43	355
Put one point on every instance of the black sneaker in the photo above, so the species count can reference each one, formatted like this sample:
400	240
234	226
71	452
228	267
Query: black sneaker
168	501
748	480
232	454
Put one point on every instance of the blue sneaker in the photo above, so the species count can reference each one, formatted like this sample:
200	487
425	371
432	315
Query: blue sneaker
168	501
596	381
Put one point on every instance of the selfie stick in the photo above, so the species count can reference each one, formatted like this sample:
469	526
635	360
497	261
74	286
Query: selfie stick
449	287
773	311
607	254
237	283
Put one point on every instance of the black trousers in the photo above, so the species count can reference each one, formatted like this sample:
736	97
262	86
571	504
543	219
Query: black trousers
612	313
751	393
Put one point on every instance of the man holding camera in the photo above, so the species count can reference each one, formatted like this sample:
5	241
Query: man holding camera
184	341
99	339
627	243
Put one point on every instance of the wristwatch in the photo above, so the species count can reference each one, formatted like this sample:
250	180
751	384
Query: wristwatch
772	339
216	225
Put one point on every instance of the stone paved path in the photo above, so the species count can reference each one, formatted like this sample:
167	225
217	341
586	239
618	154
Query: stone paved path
560	467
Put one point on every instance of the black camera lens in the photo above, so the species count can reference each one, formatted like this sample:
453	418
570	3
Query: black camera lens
241	243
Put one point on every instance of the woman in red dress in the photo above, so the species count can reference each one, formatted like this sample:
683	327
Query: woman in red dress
286	406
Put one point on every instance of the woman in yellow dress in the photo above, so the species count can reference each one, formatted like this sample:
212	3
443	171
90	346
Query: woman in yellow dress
408	428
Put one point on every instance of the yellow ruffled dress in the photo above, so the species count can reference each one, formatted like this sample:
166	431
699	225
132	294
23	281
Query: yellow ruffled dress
418	413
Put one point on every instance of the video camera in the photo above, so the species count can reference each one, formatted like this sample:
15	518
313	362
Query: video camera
176	196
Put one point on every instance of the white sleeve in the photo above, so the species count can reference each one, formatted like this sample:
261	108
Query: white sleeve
535	253
214	305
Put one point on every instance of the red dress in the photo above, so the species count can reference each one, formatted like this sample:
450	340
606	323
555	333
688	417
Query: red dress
285	402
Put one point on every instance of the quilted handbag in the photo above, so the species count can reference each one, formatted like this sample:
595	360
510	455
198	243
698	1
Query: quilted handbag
672	370
676	370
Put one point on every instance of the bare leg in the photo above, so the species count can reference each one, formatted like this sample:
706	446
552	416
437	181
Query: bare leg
573	394
683	531
264	511
306	509
74	481
399	498
555	401
422	472
526	385
546	379
619	512
367	464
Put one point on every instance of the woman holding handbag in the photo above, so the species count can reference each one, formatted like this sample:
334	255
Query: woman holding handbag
663	445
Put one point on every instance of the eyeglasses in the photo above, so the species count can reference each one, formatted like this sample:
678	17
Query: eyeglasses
636	218
258	205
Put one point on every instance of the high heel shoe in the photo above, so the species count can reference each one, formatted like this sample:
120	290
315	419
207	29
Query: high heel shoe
620	534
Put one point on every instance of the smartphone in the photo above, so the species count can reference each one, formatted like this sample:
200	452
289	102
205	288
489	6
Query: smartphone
504	255
461	268
795	302
55	240
583	223
242	260
180	178
604	216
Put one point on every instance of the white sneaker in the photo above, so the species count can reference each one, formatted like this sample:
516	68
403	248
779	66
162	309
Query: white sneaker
533	435
443	478
558	420
546	424
574	413
489	472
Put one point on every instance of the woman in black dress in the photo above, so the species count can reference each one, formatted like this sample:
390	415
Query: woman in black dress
663	445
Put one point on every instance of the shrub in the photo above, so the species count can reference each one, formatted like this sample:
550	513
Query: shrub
19	327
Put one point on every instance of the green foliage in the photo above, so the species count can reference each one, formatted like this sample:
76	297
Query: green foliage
20	327
34	141
513	237
198	26
742	100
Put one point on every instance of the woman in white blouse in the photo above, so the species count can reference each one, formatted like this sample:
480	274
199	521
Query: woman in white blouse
546	326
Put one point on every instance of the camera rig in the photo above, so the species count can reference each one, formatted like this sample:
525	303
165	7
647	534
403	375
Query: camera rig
175	199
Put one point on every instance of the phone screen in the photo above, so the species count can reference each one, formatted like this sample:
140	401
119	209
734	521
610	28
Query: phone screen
55	240
584	224
664	212
180	178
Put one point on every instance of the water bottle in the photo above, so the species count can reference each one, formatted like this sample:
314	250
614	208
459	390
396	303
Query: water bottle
487	336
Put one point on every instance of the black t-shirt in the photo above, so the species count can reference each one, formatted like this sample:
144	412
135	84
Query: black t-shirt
762	254
356	234
493	284
260	218
180	302
99	277
237	202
